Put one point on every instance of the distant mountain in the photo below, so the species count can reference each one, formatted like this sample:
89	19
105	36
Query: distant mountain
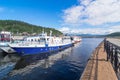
86	35
115	34
20	26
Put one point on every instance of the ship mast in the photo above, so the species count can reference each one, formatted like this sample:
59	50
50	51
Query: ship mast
50	33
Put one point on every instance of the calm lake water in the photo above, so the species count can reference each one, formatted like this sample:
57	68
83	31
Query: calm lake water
64	65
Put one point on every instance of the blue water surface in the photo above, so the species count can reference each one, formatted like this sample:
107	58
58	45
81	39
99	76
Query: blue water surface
68	64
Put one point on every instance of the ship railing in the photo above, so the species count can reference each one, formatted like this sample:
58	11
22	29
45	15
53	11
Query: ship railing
29	42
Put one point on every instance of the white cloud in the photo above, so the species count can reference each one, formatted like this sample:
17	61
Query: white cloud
72	14
65	29
1	9
95	12
111	29
85	2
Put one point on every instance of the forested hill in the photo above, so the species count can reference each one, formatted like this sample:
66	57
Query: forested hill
19	26
115	34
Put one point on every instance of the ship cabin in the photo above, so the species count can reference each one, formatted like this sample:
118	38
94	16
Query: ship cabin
5	36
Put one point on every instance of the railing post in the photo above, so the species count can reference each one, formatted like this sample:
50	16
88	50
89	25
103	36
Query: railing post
113	54
105	43
108	50
116	60
112	57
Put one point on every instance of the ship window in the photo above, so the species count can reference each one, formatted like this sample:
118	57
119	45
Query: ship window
43	39
47	38
31	39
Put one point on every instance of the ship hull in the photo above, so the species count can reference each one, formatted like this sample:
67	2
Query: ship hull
38	50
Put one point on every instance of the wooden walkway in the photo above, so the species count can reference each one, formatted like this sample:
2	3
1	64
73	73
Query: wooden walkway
98	68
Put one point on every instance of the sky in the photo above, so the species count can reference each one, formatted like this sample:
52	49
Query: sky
68	16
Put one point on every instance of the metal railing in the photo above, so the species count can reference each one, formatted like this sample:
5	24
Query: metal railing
113	55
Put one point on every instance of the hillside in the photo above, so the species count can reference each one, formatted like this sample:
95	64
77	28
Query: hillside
87	35
115	34
19	26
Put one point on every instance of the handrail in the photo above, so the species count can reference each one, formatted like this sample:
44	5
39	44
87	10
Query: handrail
113	55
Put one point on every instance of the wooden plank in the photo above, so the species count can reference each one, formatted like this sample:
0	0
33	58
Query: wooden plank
98	68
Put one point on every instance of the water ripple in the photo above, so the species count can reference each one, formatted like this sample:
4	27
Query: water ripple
64	65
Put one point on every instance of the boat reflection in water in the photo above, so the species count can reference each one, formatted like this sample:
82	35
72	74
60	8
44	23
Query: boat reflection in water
64	65
28	63
7	64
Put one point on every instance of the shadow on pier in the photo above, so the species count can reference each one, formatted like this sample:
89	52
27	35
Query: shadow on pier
99	66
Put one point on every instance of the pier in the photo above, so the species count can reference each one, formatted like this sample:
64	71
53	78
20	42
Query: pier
104	63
